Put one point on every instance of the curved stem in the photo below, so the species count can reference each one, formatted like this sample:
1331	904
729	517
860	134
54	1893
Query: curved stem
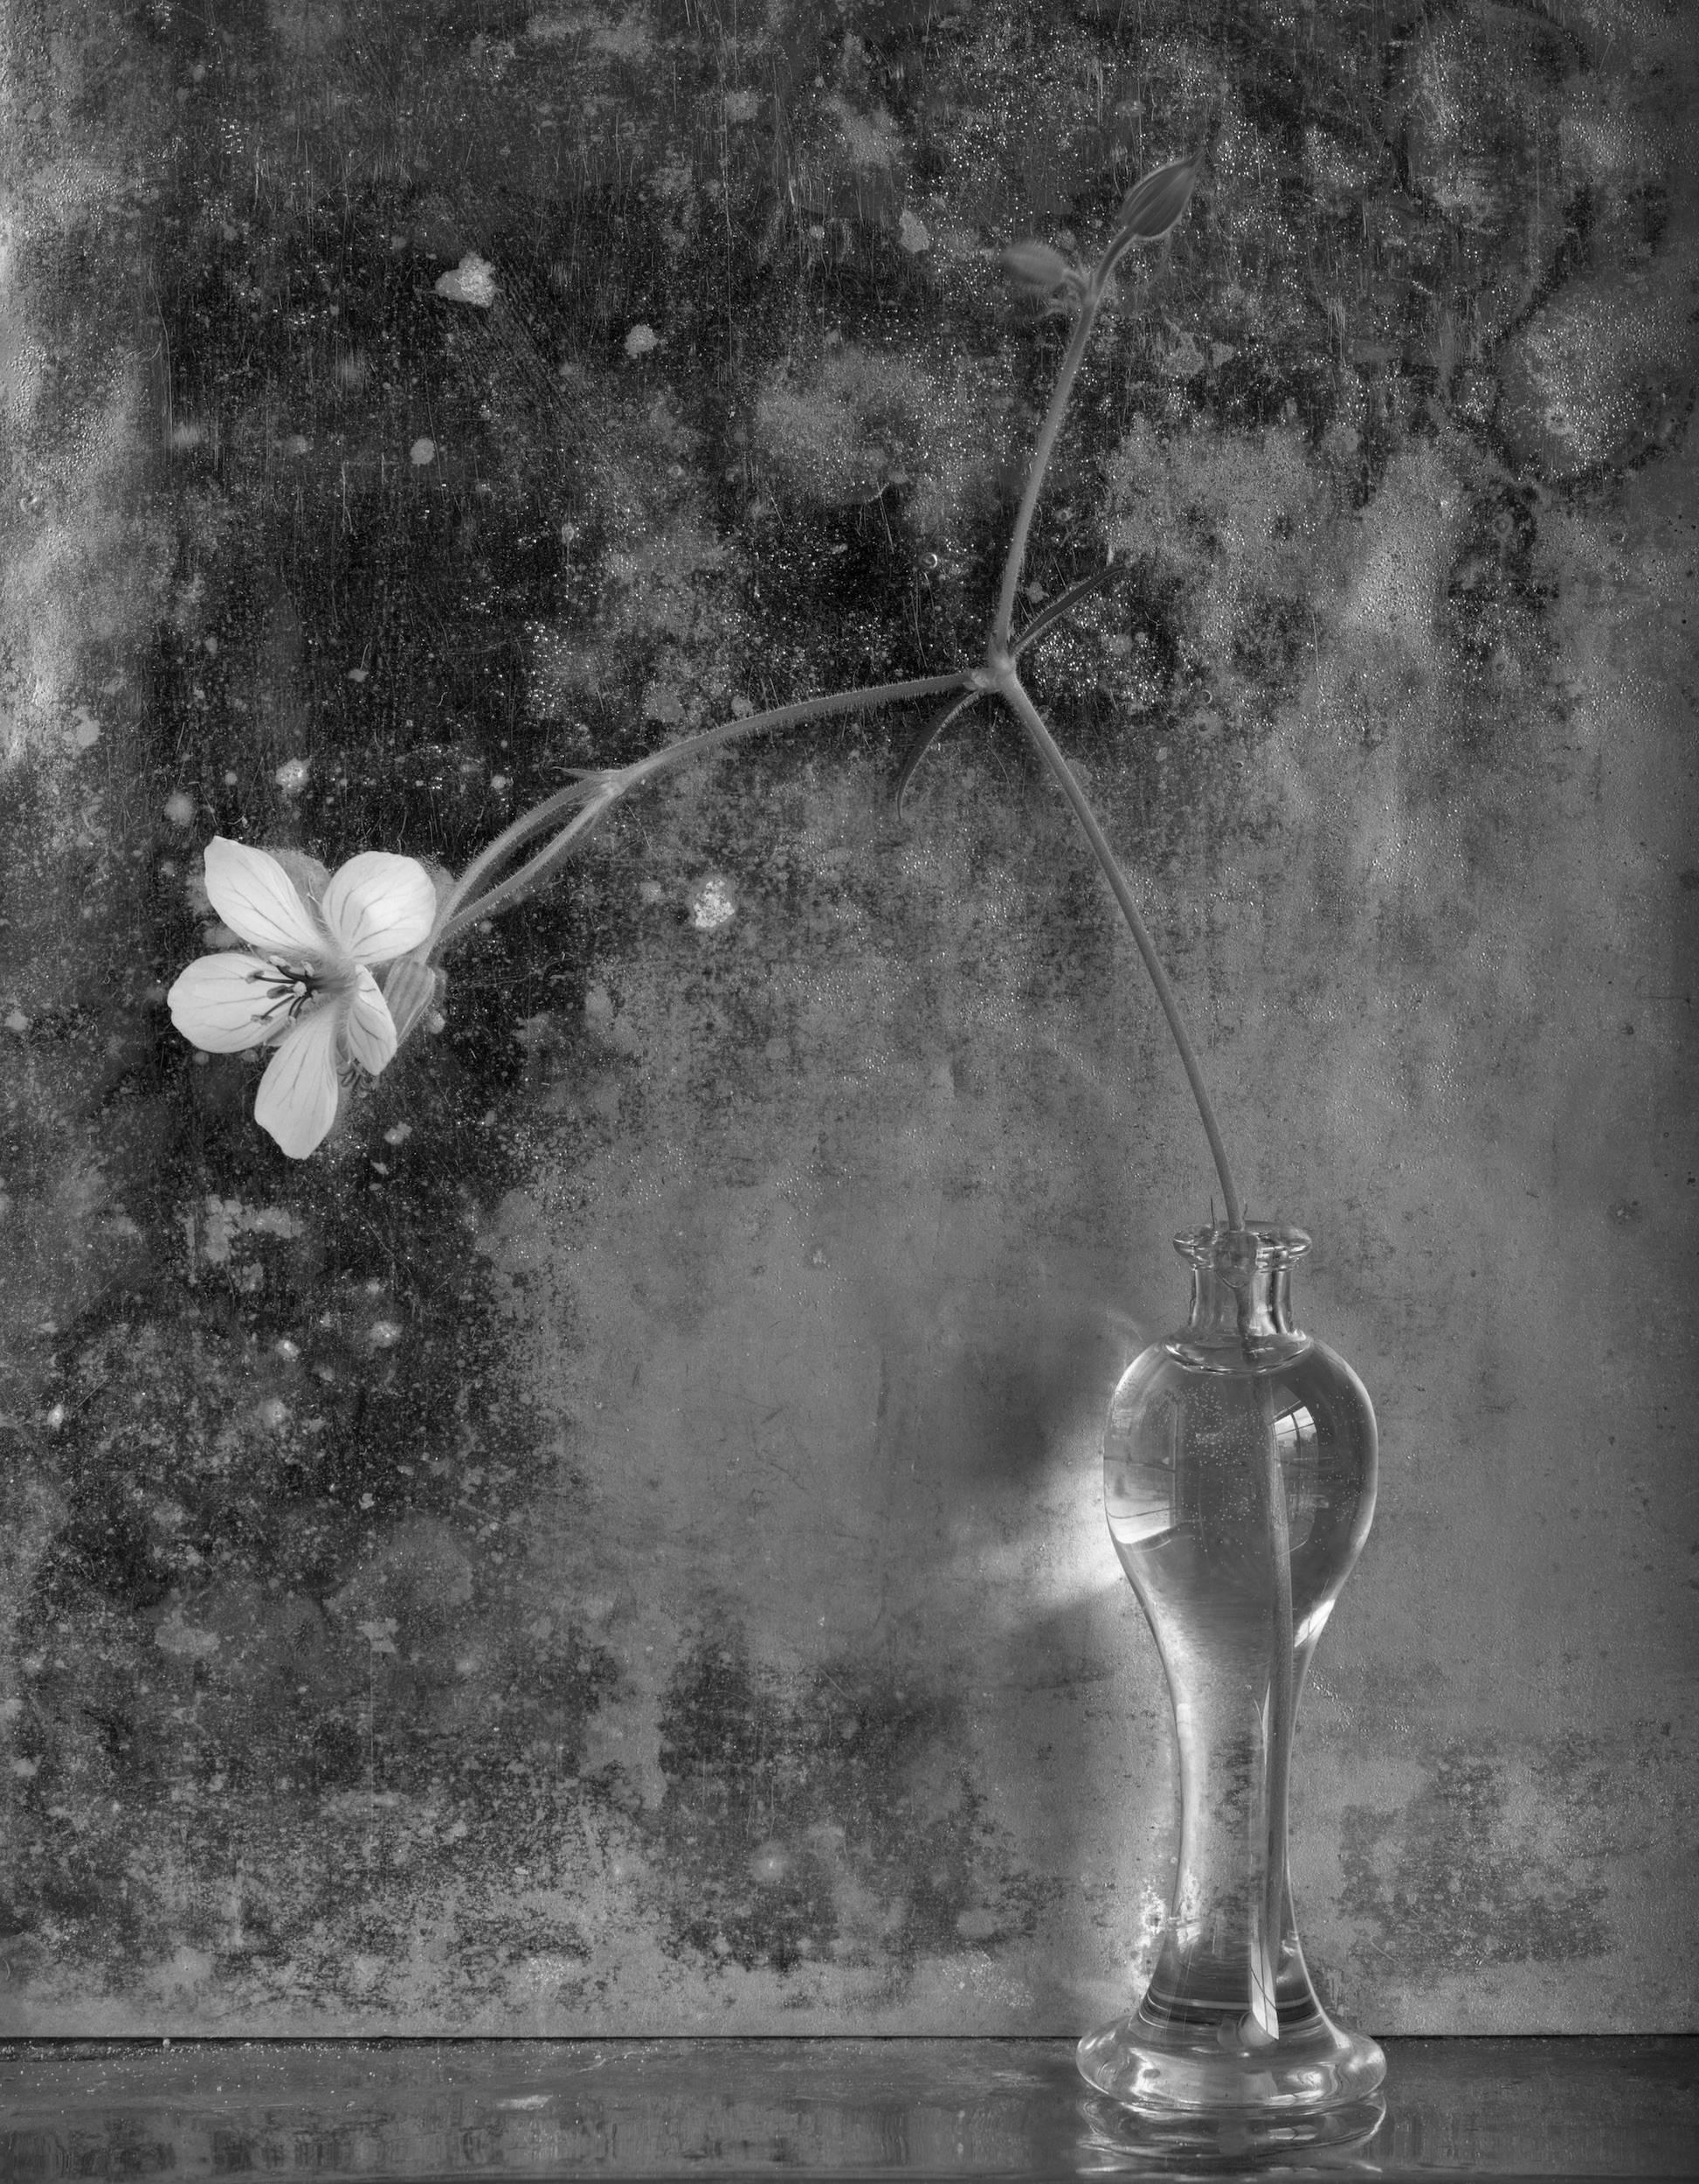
493	853
923	741
1045	619
1072	598
1009	687
529	876
1016	562
600	791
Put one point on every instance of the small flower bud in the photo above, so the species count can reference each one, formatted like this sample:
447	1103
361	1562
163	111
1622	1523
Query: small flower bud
1034	266
1157	203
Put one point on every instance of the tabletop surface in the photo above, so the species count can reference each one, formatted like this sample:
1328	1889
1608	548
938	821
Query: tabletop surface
892	2108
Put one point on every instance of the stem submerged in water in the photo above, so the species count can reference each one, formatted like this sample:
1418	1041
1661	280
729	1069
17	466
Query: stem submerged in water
1270	1488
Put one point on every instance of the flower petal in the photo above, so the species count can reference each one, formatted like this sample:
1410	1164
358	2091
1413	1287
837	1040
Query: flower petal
369	1028
409	988
297	1101
256	897
378	906
221	1003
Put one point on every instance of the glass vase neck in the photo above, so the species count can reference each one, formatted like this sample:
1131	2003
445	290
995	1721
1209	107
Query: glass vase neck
1241	1293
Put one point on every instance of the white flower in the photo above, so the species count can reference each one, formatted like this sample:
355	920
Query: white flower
307	989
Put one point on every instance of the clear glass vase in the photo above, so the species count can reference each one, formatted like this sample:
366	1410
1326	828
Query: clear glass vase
1239	1481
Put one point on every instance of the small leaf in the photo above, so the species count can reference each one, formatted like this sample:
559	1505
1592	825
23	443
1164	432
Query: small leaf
1036	267
1157	202
922	741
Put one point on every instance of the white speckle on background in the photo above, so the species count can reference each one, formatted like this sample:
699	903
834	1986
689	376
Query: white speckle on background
180	808
913	233
641	339
225	1219
421	452
472	281
711	904
291	776
173	1635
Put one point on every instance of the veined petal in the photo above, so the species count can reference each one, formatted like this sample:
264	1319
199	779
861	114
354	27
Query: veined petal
222	1003
378	906
256	897
297	1101
409	988
369	1026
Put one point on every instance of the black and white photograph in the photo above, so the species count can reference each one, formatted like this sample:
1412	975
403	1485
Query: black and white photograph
848	1207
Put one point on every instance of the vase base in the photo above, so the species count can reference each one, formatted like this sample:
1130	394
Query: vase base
1236	2144
1162	2071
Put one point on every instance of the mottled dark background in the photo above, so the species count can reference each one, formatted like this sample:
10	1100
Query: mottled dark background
611	1544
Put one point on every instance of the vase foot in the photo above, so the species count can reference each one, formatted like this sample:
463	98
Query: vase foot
1238	2144
1166	2070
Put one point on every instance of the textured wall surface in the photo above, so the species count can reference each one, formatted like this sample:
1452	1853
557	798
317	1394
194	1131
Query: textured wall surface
611	1544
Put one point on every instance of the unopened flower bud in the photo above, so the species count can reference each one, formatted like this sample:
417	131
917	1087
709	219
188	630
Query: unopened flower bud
1155	204
1036	267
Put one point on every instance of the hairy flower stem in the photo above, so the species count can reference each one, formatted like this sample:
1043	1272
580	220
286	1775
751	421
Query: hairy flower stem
1010	688
598	792
1013	567
595	794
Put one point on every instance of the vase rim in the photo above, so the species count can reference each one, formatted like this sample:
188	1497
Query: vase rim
1277	1243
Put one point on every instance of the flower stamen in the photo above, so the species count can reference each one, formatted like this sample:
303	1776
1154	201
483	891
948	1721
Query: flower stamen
289	989
307	989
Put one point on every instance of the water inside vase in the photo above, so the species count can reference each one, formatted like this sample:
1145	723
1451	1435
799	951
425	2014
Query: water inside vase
1186	1515
1238	1474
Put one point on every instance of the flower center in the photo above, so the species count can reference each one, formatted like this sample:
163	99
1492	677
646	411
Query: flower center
287	988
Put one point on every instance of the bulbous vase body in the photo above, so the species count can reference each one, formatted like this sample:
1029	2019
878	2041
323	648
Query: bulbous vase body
1240	1483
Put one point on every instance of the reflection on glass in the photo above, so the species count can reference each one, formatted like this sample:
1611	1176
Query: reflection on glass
1238	1471
1337	2141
